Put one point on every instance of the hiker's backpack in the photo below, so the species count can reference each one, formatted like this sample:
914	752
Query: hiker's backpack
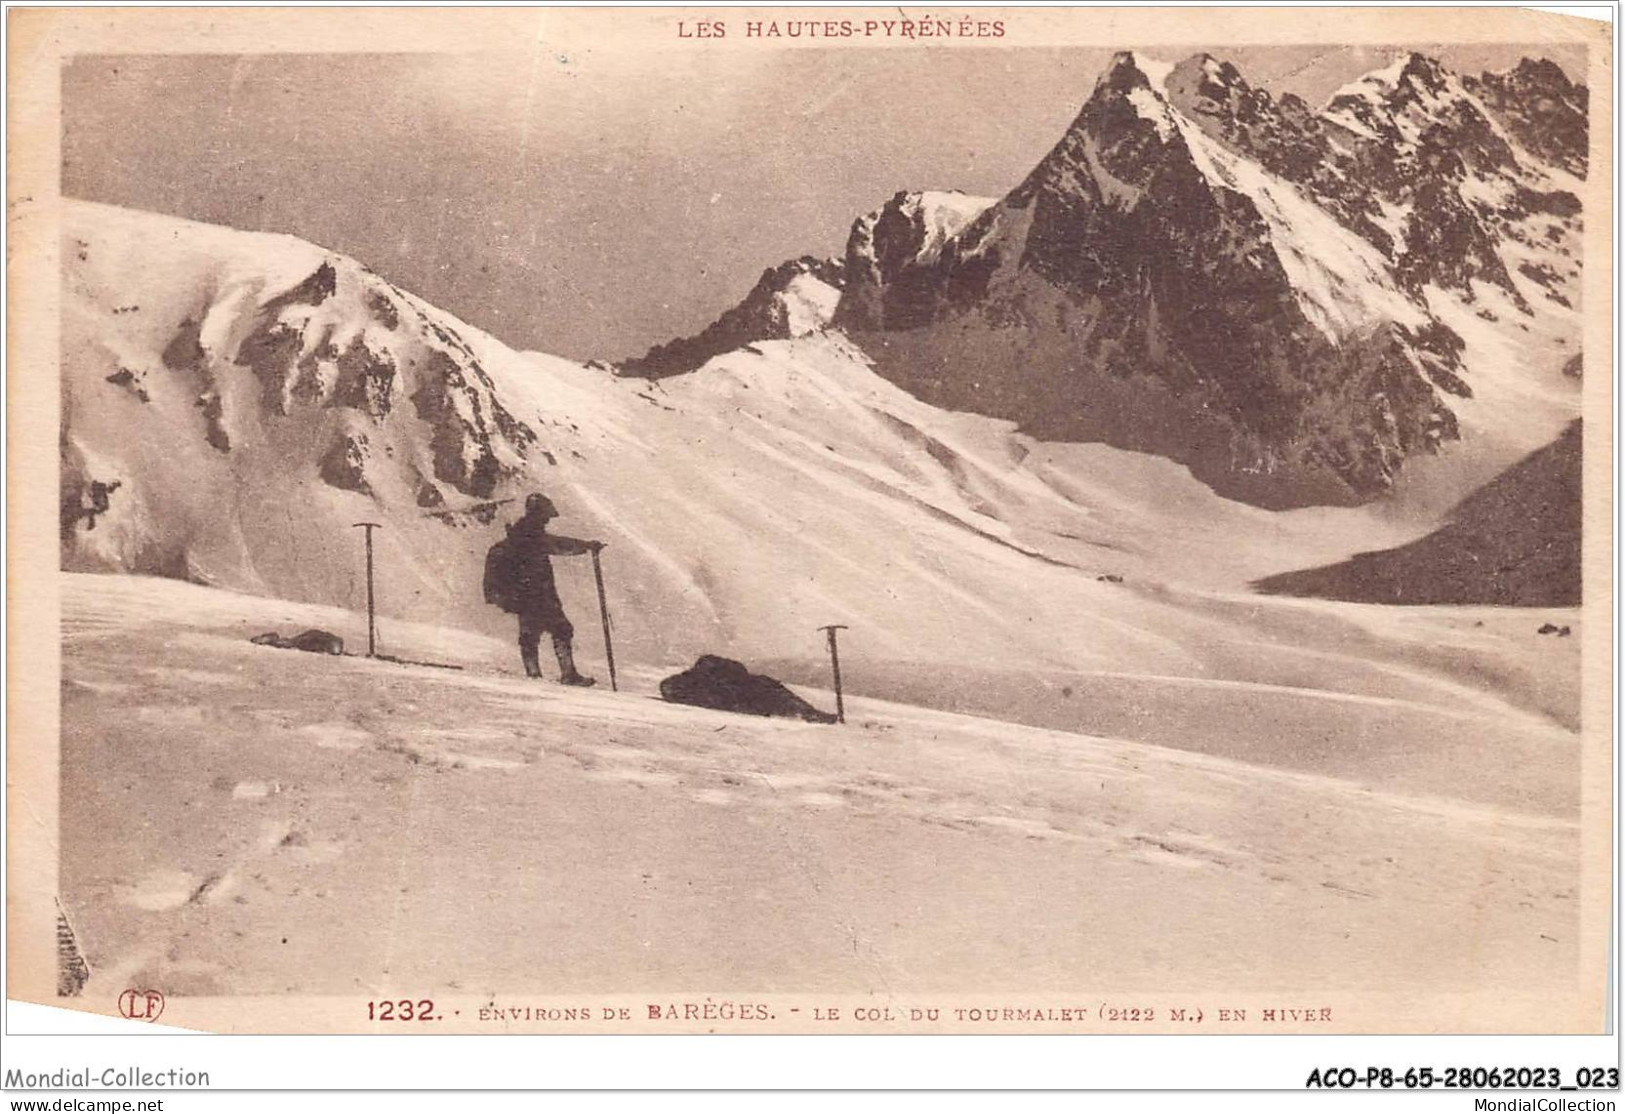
499	586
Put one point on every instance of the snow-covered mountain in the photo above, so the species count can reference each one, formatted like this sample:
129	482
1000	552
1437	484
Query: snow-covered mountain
1541	108
1064	661
891	252
1290	302
233	403
200	363
791	300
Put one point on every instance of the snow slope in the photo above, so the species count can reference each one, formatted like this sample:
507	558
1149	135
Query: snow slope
1054	671
1055	667
782	487
225	808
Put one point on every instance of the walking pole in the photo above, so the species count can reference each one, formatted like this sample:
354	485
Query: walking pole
603	617
835	667
372	622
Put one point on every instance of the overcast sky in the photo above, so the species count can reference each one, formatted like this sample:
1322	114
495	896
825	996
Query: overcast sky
591	207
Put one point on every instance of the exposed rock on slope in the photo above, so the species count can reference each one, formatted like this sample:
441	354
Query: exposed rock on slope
1148	287
726	685
790	300
1543	110
200	363
1264	292
340	356
784	486
893	255
1516	541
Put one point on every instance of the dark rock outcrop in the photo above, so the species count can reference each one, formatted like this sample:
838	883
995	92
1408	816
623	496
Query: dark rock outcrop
1543	110
776	308
898	255
132	381
311	641
726	685
402	352
1171	277
1513	542
344	465
1233	280
84	499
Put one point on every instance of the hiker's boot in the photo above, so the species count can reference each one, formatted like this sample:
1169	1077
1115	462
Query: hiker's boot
533	663
567	665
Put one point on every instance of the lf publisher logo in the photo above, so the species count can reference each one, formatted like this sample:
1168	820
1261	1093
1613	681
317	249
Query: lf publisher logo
141	1005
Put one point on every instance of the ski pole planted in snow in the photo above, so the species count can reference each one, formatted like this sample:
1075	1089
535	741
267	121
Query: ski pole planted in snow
603	617
835	667
372	622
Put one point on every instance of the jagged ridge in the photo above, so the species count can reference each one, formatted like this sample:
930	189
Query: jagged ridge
793	299
1241	283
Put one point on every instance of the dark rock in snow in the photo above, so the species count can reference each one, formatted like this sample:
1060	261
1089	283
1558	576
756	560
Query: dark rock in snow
132	382
311	641
344	465
84	501
727	686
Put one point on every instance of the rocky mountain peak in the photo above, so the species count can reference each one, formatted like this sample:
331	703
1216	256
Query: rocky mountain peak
1542	109
905	237
1423	72
1373	106
1206	76
1129	70
317	358
1540	76
1410	75
911	227
1282	135
793	299
1201	270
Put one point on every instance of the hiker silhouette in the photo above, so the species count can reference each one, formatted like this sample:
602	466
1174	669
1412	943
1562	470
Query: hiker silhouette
519	579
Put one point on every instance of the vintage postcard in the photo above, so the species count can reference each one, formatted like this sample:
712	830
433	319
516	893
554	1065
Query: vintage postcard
808	521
